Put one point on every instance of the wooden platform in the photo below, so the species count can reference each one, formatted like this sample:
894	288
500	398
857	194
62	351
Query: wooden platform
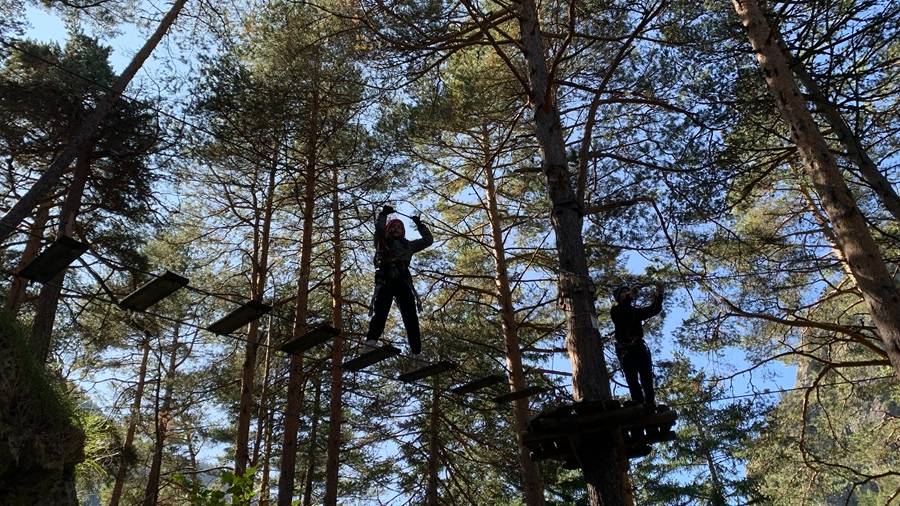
53	260
249	311
572	432
519	394
426	371
478	384
153	291
320	334
370	358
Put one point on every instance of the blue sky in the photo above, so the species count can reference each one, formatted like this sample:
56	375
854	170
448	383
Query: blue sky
45	26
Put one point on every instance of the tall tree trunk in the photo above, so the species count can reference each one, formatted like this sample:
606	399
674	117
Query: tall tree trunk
880	185
432	497
32	248
531	480
313	442
335	407
607	475
258	277
849	226
262	413
122	472
301	309
48	300
264	481
83	139
151	494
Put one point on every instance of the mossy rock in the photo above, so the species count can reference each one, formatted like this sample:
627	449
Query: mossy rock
40	438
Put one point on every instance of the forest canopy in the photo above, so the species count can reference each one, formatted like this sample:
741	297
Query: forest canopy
210	210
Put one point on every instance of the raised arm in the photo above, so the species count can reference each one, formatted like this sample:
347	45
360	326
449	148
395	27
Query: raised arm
426	240
381	221
654	308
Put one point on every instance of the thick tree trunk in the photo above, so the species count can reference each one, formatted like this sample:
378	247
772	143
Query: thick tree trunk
849	226
84	137
531	480
151	493
313	443
32	248
880	185
48	300
607	475
432	497
122	473
301	309
258	277
335	407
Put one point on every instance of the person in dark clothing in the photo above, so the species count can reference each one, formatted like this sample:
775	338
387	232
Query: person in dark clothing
633	353
393	253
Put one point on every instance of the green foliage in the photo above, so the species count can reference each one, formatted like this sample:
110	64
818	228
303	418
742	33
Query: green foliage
234	489
704	465
40	437
101	452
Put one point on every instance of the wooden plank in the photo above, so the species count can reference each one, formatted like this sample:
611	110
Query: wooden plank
370	358
249	311
153	291
53	260
478	384
519	394
319	334
427	371
624	417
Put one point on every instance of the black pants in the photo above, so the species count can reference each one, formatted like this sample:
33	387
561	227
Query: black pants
385	292
638	369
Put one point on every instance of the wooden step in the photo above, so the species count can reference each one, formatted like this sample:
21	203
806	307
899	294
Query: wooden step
53	260
153	291
519	394
478	384
319	334
370	358
246	313
427	371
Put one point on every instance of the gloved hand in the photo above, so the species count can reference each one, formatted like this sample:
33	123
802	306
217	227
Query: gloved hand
387	209
417	219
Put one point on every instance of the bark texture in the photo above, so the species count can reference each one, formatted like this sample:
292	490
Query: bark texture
335	408
48	300
301	308
163	416
607	475
847	222
258	276
32	248
531	479
432	496
880	185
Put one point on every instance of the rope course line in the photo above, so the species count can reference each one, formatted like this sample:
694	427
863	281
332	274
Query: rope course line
290	151
316	318
240	148
459	400
498	361
781	390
